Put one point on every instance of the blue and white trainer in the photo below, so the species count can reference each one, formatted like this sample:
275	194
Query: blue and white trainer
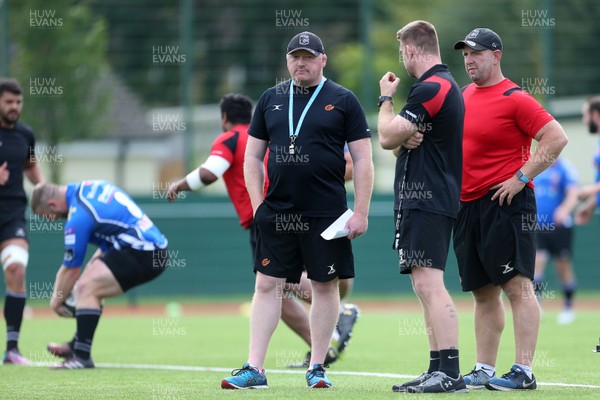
317	377
516	379
476	379
247	377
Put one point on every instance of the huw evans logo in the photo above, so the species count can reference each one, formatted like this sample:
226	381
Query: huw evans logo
167	55
290	19
44	19
537	19
44	87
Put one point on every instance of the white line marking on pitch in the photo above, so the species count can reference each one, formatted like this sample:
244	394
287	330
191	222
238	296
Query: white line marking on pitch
282	371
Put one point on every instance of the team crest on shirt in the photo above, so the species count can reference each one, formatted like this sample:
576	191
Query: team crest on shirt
329	107
20	232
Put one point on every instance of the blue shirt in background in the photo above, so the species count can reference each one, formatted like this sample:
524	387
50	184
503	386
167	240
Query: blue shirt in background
102	214
551	189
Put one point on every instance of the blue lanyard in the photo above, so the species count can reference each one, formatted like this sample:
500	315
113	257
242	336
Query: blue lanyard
295	134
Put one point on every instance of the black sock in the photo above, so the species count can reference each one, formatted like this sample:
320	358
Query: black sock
72	342
87	321
14	304
569	292
434	361
449	362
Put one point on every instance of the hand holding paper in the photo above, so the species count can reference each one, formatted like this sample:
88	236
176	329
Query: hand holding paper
338	228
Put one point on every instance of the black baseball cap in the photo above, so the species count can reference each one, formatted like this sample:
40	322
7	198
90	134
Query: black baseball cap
306	41
480	39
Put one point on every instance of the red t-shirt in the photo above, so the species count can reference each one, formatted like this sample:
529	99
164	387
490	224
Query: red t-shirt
231	146
500	121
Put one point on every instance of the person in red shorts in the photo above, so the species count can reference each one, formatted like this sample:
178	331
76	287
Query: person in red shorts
494	235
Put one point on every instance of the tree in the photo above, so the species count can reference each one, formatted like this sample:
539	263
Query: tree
59	59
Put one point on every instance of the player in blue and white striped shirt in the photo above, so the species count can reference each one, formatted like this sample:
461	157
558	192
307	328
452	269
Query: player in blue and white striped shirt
131	251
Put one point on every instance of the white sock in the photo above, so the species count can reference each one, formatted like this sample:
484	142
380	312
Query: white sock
527	369
488	369
256	368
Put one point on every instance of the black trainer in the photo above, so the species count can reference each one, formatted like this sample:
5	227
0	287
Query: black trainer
439	382
346	321
415	382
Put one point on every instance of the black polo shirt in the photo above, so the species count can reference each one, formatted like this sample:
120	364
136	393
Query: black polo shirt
310	181
17	146
434	169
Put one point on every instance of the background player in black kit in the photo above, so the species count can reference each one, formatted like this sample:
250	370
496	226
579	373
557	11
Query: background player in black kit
306	185
17	158
428	131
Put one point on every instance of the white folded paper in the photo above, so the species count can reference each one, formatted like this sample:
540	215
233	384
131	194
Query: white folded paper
337	229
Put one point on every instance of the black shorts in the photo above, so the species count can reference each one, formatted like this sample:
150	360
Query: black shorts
12	226
556	240
493	244
289	243
424	239
134	267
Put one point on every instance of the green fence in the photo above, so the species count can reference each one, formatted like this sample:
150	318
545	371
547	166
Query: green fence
210	252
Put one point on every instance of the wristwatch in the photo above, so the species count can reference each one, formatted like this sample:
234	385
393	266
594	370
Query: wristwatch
522	176
383	99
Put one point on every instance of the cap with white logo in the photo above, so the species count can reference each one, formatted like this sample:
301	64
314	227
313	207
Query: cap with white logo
306	41
480	39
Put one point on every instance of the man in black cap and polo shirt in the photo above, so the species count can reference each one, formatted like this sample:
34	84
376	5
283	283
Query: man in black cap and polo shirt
494	245
304	122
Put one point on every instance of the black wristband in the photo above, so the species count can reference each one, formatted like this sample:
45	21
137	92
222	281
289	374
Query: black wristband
383	99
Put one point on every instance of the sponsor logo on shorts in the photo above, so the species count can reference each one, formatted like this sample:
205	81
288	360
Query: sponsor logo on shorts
331	270
265	262
401	258
507	267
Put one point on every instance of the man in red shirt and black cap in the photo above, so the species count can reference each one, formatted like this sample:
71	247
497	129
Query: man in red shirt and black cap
493	237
